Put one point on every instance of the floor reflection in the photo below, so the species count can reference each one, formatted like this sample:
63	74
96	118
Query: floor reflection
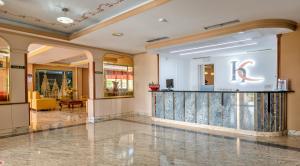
43	120
127	142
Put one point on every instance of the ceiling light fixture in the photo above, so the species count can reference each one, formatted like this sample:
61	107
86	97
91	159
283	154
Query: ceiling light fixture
65	19
217	49
2	3
117	34
162	20
208	46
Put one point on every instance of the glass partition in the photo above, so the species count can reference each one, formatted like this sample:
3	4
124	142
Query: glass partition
118	75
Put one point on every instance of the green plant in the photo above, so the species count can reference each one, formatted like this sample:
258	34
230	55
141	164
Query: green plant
153	84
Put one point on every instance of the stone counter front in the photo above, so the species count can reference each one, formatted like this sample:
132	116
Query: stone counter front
263	111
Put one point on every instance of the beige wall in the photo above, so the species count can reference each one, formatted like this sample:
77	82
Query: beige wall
85	82
14	115
145	71
289	69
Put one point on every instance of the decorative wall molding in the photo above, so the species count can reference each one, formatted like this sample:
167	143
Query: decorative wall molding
266	23
100	8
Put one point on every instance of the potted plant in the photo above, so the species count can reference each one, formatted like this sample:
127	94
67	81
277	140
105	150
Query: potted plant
70	93
154	86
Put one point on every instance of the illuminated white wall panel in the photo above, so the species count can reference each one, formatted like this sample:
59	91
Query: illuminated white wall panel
261	72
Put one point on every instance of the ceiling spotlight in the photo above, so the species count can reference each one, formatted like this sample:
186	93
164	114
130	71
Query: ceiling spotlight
162	20
65	19
2	3
117	34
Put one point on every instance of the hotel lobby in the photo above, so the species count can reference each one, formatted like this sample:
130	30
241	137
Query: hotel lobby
149	82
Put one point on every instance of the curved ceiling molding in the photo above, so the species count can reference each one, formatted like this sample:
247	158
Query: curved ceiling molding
266	23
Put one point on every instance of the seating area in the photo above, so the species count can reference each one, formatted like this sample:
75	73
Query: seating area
38	103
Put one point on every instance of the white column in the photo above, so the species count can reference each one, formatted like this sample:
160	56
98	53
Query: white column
18	90
96	87
17	76
90	105
15	114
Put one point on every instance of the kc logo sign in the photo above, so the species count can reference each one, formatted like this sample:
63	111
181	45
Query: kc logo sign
240	71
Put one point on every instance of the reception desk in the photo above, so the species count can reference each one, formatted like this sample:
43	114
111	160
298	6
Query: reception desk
259	111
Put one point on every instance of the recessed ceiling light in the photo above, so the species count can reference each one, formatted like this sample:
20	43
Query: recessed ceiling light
241	32
218	49
65	20
117	34
2	3
162	20
209	46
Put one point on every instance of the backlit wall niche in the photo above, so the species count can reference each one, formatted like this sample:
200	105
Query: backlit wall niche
118	75
4	71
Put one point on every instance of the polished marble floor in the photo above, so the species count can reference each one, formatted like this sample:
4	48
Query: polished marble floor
139	141
43	120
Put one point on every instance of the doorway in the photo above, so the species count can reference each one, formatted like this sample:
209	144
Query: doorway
58	86
206	77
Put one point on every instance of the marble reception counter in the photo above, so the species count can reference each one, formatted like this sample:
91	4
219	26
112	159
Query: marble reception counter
261	111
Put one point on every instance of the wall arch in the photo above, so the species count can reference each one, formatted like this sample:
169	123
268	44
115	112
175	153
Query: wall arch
87	52
7	42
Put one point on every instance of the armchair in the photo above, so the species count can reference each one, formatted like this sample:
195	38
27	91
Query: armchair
38	103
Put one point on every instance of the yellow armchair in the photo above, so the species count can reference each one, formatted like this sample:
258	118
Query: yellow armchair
38	103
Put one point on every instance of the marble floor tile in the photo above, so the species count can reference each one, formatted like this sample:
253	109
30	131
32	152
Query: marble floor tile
131	141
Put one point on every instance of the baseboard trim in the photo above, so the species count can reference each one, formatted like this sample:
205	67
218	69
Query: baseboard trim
13	132
200	127
109	117
293	133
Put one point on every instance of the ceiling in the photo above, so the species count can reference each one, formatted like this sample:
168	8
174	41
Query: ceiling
48	54
234	44
184	17
42	14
